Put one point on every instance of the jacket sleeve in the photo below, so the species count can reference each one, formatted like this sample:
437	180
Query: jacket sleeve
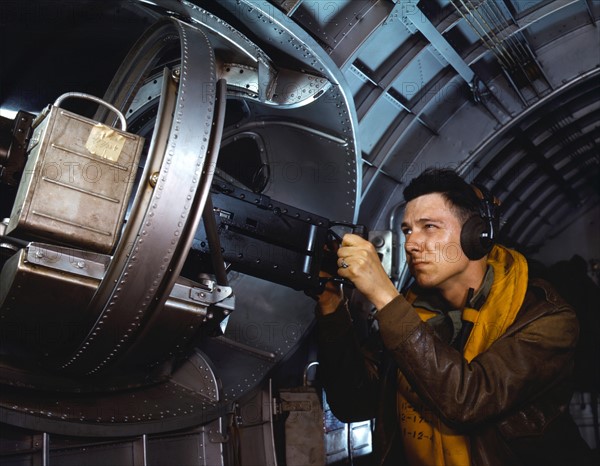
348	371
530	358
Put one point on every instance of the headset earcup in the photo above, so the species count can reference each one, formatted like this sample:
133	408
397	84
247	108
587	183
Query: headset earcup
471	241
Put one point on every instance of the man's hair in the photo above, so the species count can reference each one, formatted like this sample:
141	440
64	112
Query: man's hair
450	185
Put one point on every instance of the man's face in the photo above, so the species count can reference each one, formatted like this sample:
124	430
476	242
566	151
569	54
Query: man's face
433	251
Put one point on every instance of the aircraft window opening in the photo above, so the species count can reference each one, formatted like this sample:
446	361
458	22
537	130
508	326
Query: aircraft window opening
241	161
236	111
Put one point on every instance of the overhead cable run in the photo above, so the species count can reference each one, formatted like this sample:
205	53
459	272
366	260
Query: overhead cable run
498	31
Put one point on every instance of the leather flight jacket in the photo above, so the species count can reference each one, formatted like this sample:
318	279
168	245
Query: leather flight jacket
511	401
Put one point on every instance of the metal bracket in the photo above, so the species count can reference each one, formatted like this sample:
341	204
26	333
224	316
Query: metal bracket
273	87
401	11
209	293
74	261
444	52
197	297
217	437
385	244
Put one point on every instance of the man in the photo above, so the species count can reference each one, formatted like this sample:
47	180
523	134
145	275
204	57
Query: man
472	366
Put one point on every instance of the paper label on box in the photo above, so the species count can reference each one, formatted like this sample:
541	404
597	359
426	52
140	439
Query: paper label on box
105	142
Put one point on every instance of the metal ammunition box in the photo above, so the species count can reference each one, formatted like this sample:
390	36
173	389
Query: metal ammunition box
77	181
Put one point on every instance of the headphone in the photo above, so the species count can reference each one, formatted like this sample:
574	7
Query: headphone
478	233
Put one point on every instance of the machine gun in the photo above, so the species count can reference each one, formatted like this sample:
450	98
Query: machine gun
268	239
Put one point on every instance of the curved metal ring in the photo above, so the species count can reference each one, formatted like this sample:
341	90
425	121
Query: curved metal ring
153	240
344	265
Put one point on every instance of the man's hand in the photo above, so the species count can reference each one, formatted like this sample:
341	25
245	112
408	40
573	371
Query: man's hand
358	262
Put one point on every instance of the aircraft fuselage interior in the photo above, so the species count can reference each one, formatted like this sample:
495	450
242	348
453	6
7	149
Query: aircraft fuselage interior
172	176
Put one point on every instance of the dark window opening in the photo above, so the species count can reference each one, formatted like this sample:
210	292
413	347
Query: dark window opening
241	159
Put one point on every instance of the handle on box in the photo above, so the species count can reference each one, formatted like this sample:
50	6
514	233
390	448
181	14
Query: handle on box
82	95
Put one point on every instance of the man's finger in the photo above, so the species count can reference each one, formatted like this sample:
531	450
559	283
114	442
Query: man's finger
350	239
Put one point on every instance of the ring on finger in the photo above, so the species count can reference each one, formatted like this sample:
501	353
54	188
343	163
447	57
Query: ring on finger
343	264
